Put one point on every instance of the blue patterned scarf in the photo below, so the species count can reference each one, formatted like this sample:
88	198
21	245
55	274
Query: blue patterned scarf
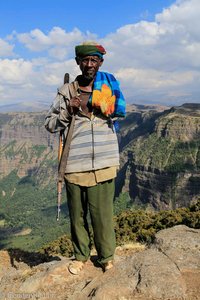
107	96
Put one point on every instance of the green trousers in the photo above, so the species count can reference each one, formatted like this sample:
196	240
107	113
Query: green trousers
98	200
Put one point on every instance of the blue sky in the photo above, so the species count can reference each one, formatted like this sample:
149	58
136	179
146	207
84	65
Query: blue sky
152	47
100	17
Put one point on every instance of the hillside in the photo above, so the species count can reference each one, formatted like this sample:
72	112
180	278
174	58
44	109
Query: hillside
160	157
160	162
28	166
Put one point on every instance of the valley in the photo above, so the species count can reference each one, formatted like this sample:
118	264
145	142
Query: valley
160	170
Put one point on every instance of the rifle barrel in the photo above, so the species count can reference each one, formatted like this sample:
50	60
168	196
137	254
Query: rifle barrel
60	150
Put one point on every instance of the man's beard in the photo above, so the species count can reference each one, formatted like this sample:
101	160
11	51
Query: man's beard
89	74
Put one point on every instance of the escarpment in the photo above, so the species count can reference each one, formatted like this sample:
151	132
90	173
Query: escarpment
26	146
161	167
160	153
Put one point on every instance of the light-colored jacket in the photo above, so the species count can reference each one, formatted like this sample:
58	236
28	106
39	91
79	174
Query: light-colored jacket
94	143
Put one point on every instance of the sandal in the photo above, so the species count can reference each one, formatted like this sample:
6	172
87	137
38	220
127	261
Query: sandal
76	266
108	265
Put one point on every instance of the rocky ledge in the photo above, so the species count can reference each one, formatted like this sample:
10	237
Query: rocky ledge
168	269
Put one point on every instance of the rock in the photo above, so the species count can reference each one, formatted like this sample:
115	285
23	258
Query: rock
151	274
159	276
181	245
118	282
50	274
168	270
25	131
5	261
159	167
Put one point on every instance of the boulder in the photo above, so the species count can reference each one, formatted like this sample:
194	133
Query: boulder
168	270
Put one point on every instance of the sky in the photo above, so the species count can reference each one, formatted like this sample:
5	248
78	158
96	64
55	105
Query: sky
153	47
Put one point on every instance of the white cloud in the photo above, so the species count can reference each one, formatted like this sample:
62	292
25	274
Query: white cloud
15	71
53	73
5	49
152	82
58	52
154	61
15	80
34	80
36	40
58	42
152	79
161	57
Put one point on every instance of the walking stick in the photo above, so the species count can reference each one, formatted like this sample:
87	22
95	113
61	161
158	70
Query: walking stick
60	150
63	151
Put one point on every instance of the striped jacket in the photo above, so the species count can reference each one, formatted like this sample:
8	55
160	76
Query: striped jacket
94	142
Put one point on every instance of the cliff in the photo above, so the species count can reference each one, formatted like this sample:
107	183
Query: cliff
26	146
28	176
161	158
160	153
160	169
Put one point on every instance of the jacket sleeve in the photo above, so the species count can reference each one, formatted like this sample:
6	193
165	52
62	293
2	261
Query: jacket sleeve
58	117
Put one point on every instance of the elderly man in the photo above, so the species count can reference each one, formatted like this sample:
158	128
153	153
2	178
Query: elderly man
93	157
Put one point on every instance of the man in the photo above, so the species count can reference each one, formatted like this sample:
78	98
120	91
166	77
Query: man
93	156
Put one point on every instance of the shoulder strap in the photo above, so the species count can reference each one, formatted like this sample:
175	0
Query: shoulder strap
65	153
73	90
69	90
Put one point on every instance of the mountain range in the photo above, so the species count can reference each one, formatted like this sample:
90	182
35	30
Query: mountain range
160	169
160	157
24	107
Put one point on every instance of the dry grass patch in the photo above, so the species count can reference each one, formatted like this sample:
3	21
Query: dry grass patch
130	248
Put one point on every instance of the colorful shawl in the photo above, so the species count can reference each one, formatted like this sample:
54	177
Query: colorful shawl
107	95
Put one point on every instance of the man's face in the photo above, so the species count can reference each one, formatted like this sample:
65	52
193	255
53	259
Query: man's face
89	65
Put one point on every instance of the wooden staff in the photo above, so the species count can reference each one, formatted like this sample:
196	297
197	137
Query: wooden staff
60	151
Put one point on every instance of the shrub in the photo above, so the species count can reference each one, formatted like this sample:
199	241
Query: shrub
141	226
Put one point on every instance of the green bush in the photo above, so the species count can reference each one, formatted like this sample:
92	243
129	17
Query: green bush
62	246
141	226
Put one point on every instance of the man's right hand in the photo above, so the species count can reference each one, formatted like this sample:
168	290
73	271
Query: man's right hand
75	102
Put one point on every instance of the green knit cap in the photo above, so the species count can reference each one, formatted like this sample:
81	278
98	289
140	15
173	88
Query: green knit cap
89	49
